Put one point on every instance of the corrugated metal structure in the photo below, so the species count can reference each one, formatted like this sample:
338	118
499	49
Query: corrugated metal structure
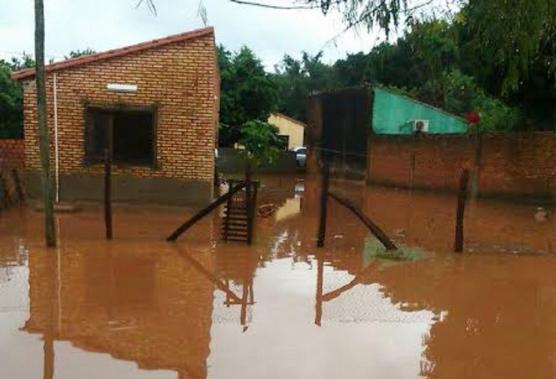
339	123
395	114
343	121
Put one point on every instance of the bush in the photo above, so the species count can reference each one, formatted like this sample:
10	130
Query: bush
461	95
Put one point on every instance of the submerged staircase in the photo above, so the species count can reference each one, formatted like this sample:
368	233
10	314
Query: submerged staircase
237	222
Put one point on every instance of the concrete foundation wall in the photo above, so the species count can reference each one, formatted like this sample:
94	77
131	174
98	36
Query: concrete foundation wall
126	189
230	162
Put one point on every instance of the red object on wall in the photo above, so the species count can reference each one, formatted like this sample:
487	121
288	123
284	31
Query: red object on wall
473	118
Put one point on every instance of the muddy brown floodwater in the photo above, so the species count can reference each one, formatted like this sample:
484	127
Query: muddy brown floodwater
138	307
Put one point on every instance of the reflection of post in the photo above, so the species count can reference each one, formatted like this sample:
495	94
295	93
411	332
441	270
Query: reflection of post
244	302
355	281
462	198
207	274
48	365
318	296
323	200
49	334
107	194
249	202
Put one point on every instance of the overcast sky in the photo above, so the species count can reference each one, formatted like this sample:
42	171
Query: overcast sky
107	24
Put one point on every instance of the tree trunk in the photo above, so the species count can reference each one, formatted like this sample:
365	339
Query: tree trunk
47	184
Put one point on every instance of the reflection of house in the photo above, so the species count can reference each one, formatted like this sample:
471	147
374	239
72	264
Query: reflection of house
154	309
498	315
290	129
291	208
153	105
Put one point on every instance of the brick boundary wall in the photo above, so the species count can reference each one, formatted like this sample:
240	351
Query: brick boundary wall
12	153
509	164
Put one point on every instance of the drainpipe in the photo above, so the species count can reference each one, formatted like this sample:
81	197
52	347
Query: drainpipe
56	149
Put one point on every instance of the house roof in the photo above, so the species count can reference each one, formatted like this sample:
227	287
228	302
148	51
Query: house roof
281	115
79	61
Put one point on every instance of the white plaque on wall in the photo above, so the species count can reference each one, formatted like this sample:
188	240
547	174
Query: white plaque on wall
119	87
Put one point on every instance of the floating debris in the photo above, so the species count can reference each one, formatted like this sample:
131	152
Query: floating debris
266	210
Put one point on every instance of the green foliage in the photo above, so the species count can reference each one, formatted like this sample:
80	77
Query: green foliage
374	250
247	92
504	35
260	141
433	63
19	63
369	13
507	35
11	102
79	53
297	79
461	95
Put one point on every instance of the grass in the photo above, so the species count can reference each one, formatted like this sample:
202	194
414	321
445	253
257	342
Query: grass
374	250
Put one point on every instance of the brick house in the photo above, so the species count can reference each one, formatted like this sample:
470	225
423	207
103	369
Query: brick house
154	105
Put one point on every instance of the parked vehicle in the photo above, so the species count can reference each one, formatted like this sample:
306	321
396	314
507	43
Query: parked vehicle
300	155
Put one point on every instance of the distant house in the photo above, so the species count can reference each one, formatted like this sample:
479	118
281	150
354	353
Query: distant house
291	130
153	105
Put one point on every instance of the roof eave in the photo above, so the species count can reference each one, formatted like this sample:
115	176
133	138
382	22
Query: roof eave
74	62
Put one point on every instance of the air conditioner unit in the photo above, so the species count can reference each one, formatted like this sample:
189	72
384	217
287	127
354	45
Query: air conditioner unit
420	126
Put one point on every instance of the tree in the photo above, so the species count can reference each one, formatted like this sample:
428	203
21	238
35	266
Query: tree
505	52
11	96
460	94
297	79
11	109
260	141
506	33
21	62
47	182
247	92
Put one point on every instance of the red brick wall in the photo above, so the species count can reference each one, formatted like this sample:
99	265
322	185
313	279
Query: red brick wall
510	164
12	153
180	78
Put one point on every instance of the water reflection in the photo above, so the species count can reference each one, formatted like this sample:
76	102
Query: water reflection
154	309
280	308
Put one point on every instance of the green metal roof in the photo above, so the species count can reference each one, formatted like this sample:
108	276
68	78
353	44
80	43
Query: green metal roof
394	114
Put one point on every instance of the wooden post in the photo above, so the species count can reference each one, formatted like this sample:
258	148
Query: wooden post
244	301
249	202
318	294
108	194
462	198
44	146
323	200
228	209
253	207
18	187
374	228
